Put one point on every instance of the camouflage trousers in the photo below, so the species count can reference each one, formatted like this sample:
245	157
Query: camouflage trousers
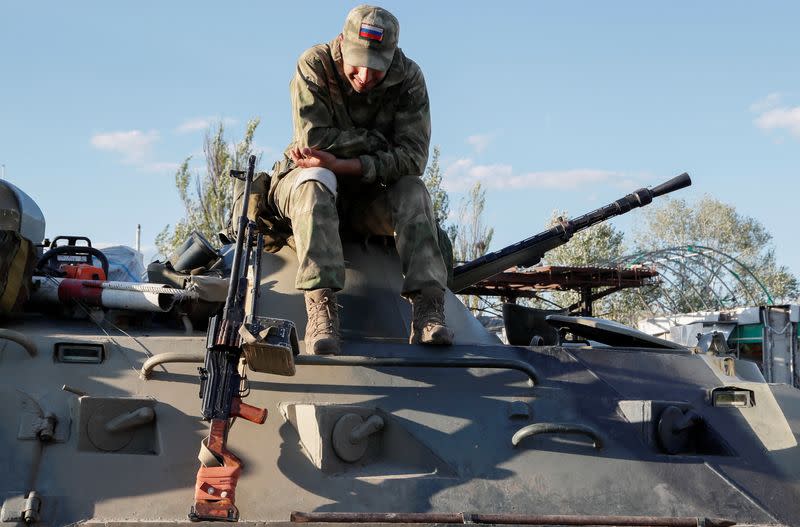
402	210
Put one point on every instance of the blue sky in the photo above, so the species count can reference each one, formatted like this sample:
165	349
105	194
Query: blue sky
553	105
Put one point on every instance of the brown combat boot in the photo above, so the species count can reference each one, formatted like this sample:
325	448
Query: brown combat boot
427	326
322	330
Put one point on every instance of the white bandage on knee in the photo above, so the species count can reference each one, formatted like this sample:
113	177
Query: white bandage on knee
319	174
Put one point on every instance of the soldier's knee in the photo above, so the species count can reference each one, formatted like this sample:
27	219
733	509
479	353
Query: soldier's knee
315	197
324	177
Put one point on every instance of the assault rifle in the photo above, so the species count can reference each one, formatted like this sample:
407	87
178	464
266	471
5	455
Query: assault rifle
528	252
268	345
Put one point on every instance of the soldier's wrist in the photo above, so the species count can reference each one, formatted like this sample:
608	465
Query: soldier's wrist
346	167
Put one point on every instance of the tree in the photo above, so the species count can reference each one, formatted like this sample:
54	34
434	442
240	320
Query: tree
471	236
208	208
433	181
718	235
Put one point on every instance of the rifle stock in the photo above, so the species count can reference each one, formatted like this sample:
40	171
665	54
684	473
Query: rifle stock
529	251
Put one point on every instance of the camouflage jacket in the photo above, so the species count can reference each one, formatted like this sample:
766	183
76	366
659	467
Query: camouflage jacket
388	128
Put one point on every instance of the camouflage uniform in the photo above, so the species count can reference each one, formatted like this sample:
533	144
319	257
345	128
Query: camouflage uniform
388	129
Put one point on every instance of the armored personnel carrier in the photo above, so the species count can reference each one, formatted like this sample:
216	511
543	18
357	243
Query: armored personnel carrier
101	423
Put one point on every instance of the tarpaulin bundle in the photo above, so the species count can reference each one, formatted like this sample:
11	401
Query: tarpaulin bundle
17	261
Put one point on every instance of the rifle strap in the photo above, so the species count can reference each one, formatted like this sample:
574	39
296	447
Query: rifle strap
207	457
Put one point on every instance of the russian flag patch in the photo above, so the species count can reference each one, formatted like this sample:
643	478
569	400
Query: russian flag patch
370	32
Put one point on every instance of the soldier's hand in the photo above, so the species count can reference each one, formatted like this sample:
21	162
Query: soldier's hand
311	158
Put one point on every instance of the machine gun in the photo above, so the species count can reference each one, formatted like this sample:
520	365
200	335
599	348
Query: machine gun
529	252
268	345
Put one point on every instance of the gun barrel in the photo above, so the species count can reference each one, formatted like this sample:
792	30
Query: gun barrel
676	183
237	254
528	252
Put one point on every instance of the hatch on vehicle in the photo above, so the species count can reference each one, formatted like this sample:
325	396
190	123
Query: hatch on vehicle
609	332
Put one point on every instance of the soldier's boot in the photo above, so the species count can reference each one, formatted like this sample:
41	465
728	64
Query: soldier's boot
428	326
322	330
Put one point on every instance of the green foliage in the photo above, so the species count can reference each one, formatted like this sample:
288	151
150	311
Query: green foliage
207	209
433	180
673	222
471	237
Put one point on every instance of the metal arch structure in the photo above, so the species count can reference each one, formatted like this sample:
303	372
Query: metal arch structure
664	277
715	278
720	300
740	264
680	252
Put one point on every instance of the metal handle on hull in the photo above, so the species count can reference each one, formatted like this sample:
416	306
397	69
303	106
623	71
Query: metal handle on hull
558	428
19	338
422	362
367	362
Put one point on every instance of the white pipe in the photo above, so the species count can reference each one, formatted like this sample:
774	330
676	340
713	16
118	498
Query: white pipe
136	300
113	295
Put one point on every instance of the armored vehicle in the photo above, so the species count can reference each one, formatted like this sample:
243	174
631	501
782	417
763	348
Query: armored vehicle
101	420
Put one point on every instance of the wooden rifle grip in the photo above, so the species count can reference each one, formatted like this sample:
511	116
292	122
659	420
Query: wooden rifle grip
246	411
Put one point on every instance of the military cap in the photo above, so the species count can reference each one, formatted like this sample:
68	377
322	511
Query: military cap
369	37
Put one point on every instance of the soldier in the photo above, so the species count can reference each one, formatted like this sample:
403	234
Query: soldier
361	136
